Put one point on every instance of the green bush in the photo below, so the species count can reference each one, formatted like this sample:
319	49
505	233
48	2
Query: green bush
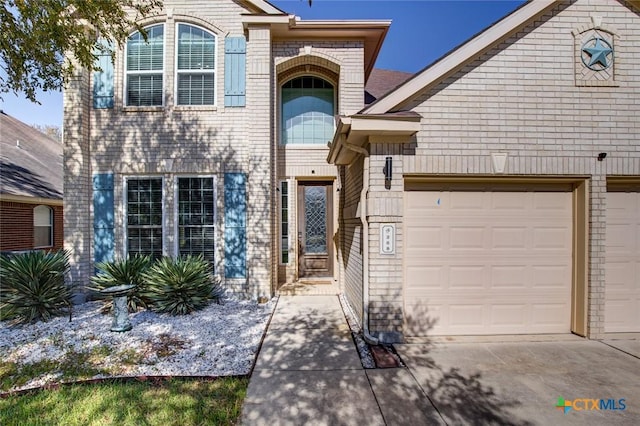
123	271
180	286
32	286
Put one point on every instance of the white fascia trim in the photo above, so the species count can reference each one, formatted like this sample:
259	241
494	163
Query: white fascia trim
266	19
25	199
467	51
265	6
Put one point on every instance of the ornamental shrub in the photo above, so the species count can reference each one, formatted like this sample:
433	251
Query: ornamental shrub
120	272
32	286
180	286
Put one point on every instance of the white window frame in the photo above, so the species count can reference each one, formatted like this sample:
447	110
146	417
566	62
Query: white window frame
216	225
41	207
127	73
281	109
126	212
280	235
177	72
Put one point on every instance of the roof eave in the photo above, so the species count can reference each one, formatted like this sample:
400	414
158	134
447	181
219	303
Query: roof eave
396	99
355	132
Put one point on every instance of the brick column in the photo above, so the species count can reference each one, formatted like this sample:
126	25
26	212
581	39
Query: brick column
260	183
77	179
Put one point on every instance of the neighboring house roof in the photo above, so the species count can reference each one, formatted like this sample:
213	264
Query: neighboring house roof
381	82
30	163
455	59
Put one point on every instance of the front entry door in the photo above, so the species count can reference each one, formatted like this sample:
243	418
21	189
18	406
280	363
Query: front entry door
314	229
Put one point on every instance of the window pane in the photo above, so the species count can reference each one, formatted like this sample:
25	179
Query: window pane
42	216
196	89
307	111
42	226
149	55
196	49
196	217
42	236
144	90
144	216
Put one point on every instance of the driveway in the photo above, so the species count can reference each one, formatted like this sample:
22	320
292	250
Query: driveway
520	381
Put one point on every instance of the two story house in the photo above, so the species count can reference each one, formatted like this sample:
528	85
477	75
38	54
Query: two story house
495	192
211	138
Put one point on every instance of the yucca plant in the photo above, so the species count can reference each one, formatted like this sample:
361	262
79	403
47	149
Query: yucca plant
180	286
32	286
119	272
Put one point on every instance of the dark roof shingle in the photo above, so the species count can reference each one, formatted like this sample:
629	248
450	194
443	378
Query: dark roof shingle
30	161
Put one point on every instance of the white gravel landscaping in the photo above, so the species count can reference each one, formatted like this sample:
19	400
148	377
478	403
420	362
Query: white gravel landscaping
220	340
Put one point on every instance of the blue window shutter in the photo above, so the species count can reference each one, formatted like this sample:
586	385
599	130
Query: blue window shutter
103	235
235	225
103	79
235	65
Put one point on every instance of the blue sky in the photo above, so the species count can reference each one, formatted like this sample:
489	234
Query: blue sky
421	32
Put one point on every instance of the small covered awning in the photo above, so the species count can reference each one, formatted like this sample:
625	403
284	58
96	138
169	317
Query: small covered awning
355	132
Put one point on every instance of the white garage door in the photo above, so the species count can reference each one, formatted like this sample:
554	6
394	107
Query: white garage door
493	262
622	306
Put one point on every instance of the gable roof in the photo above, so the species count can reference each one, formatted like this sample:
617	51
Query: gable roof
30	163
381	82
451	62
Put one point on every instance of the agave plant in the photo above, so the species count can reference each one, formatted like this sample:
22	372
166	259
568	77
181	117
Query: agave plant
32	286
180	286
123	271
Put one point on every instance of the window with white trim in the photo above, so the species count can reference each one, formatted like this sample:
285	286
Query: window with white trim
196	217
195	59
284	222
42	226
145	68
308	110
144	216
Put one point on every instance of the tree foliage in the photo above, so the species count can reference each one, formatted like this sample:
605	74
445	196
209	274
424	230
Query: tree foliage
35	36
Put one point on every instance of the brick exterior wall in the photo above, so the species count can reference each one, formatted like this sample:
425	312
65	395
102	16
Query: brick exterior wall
173	141
16	226
522	98
341	63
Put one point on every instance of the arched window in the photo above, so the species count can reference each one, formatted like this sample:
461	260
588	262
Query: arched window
145	68
195	59
42	226
308	109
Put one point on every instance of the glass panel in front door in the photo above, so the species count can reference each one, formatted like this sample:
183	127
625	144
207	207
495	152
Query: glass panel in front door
315	218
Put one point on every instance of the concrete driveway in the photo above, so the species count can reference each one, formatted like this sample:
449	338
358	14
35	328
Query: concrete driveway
520	382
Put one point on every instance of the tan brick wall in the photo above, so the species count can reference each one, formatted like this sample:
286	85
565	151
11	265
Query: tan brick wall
522	99
327	59
173	141
351	236
78	230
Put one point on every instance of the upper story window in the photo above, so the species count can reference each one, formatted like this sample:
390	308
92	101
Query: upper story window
145	68
195	66
42	226
308	109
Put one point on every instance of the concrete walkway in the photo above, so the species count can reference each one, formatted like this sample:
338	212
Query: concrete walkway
309	372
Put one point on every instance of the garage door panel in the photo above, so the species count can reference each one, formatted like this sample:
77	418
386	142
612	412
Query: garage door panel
511	237
467	237
549	277
552	203
509	277
503	258
425	277
622	267
551	237
424	238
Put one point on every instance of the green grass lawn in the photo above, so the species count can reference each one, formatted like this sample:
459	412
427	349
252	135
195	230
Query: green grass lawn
151	402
